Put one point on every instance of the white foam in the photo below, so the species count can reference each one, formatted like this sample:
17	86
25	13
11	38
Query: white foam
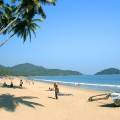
77	83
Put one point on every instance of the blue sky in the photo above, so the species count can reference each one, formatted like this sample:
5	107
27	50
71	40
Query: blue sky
83	35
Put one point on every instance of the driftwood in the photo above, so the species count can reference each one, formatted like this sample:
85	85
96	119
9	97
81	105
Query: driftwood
99	97
115	97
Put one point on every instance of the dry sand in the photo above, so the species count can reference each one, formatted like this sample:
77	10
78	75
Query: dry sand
35	102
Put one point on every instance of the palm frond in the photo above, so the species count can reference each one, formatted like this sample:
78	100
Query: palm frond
25	28
19	17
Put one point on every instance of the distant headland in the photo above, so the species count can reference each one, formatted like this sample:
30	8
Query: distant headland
28	69
109	71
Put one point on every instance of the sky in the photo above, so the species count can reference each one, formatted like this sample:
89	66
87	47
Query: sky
81	35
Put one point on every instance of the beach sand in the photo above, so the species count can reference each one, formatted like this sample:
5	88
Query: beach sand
35	102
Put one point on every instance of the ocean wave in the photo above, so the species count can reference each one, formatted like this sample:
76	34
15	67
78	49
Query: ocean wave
78	84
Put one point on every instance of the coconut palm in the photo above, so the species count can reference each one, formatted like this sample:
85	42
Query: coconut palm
18	18
25	28
6	21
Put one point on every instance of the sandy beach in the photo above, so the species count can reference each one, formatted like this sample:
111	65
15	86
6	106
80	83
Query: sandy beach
35	102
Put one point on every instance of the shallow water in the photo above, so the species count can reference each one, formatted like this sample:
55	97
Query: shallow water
94	82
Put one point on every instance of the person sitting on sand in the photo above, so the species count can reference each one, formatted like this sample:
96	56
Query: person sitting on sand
11	84
4	84
21	83
51	89
56	90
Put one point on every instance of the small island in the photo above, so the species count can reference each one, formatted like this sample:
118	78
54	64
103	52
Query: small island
109	71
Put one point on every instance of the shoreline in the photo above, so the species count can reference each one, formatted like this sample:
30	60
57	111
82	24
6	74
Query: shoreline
71	86
84	86
61	83
29	81
52	82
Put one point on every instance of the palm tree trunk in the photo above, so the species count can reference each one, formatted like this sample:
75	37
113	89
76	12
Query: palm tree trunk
5	41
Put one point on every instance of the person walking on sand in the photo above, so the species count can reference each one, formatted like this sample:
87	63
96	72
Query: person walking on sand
56	90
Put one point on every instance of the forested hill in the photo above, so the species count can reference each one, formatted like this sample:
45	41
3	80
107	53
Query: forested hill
28	69
109	71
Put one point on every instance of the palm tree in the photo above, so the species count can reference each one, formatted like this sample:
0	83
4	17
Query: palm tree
6	21
19	18
25	28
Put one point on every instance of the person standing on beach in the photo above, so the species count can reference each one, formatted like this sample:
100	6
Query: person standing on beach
21	83
11	84
56	90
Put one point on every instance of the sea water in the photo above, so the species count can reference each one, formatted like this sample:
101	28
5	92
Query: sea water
93	82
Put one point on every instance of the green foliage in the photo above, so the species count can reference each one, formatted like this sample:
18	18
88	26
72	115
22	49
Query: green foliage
109	71
18	17
4	70
33	70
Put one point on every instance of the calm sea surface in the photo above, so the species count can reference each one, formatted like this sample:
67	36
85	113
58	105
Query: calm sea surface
94	82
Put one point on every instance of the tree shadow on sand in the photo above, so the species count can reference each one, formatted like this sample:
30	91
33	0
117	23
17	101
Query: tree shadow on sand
10	102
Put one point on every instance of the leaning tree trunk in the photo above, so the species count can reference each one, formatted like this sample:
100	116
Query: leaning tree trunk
4	29
12	22
5	41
